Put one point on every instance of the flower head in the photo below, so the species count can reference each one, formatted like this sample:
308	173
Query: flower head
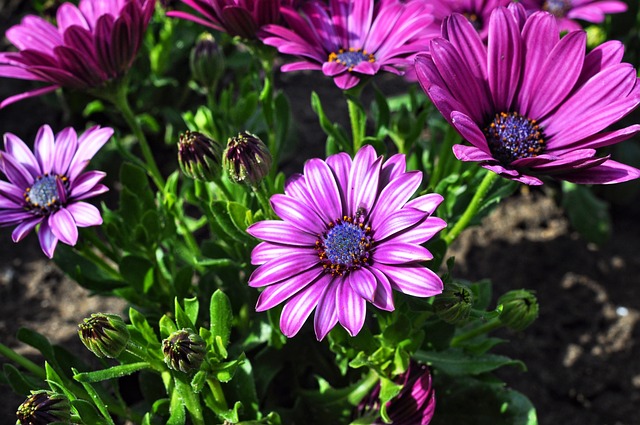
199	157
49	187
518	309
184	350
454	304
105	335
414	405
246	159
352	39
531	104
349	235
236	17
206	62
567	11
44	407
91	44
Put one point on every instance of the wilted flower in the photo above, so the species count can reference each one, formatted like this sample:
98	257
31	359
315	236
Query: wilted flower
199	157
184	350
531	104
352	39
567	11
93	43
246	159
206	62
105	335
414	405
518	309
48	188
349	235
454	304
43	408
236	17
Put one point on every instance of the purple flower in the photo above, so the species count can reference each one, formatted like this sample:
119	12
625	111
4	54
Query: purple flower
349	234
351	39
476	11
236	17
93	43
414	405
48	188
566	11
531	104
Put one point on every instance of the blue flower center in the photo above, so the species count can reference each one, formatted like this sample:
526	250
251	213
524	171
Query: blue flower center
345	245
557	8
351	57
43	196
511	136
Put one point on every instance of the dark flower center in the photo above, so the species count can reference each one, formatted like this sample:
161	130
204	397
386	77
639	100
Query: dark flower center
345	245
557	8
351	57
43	196
511	136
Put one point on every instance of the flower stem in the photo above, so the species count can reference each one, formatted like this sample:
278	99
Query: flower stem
22	361
263	199
357	117
364	388
489	326
472	208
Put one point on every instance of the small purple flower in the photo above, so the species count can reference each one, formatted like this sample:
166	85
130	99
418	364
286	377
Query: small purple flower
349	234
532	104
48	188
567	11
93	43
235	17
352	39
414	405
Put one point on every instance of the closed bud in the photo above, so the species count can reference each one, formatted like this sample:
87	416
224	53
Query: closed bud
206	62
518	309
105	335
43	408
184	350
454	304
247	159
199	157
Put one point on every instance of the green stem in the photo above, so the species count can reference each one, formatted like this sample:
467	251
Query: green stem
218	394
23	361
364	388
489	326
472	208
263	199
92	237
357	117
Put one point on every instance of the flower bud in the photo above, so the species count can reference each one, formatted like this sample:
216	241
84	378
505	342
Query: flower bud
206	62
518	309
454	304
246	159
184	350
105	335
44	407
199	156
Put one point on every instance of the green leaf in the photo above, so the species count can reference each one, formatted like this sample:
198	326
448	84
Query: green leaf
40	343
456	362
20	383
87	412
588	215
388	390
167	326
182	319
140	323
134	270
97	400
220	316
330	128
191	308
111	373
221	212
190	399
177	414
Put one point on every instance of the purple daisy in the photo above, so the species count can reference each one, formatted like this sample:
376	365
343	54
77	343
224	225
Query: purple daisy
351	39
48	188
566	11
531	104
93	43
349	234
235	17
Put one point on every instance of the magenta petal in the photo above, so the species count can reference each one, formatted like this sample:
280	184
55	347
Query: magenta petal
352	309
423	232
273	295
48	241
282	268
394	196
608	173
418	281
18	175
469	130
360	189
397	222
65	148
85	214
504	58
340	164
64	226
85	183
89	144
298	309
324	189
13	99
21	152
401	253
24	228
281	232
427	203
297	213
471	154
44	148
266	251
363	282
326	316
383	298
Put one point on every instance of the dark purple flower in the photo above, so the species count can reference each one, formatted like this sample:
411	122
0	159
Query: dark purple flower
93	43
531	104
48	188
352	39
566	11
414	405
349	234
235	17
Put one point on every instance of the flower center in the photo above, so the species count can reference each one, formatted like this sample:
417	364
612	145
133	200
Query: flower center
557	8
345	245
511	136
351	57
43	196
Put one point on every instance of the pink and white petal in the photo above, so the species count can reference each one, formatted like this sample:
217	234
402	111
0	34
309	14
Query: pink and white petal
397	222
423	232
427	203
365	167
296	187
89	143
65	148
21	152
326	316
12	193
273	295
323	189
86	182
346	81
401	253
44	148
352	309
340	164
17	174
266	251
394	196
298	309
48	241
363	282
85	214
393	168
331	69
383	298
300	66
469	130
96	190
297	213
418	281
279	269
32	93
24	228
64	226
278	231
